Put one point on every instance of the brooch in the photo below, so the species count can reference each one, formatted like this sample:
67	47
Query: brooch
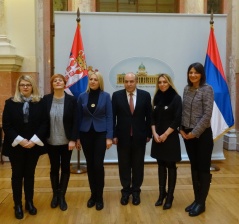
92	105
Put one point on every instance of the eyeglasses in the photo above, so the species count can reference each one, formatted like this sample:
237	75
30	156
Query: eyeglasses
25	85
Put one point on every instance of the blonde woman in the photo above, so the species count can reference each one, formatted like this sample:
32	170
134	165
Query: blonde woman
24	125
96	133
166	119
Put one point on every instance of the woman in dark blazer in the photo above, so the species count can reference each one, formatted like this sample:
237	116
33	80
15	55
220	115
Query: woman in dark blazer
96	133
166	119
24	126
62	135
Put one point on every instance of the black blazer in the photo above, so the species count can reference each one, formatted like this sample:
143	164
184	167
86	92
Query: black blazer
163	117
13	125
69	115
140	120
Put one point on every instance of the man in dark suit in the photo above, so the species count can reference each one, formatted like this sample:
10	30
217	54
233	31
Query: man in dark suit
131	116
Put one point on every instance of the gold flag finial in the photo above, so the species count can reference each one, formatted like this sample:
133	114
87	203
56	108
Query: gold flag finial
211	19
78	15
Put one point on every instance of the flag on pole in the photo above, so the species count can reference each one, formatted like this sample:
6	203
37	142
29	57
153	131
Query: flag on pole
222	116
76	72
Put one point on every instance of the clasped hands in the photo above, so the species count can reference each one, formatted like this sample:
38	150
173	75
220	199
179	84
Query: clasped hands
160	138
187	136
27	143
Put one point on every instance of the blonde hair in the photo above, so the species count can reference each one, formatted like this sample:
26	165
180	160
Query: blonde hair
100	79
168	79
35	92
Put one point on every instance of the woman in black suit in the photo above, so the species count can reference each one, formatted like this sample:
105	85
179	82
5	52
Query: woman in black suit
166	119
96	133
24	125
62	136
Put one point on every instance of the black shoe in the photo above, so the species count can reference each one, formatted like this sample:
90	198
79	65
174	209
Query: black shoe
62	203
197	210
136	200
99	205
54	201
30	208
91	203
190	207
18	211
168	203
124	200
161	198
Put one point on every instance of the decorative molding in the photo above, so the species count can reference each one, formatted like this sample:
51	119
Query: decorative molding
10	63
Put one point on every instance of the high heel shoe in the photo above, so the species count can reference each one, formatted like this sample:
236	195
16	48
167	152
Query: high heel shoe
161	198
18	211
168	202
30	208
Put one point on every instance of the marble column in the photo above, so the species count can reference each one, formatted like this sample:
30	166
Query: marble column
235	7
232	69
45	30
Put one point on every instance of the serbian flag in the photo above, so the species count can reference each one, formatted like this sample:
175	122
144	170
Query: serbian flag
222	116
76	72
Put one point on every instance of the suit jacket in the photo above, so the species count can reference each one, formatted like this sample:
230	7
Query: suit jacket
13	125
70	121
102	118
140	120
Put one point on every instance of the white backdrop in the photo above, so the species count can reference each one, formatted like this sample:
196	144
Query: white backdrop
174	40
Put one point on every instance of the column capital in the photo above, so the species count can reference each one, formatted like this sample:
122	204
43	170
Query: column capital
11	63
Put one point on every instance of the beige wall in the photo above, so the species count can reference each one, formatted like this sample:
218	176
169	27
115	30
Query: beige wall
20	30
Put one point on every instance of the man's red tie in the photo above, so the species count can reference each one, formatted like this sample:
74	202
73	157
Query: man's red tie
131	103
131	106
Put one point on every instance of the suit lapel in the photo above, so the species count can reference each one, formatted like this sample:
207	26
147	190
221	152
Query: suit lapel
125	101
66	103
138	99
48	102
19	111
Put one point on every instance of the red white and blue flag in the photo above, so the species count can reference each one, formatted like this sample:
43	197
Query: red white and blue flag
76	72
222	116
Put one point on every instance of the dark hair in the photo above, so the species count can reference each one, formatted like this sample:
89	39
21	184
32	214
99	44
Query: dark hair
200	69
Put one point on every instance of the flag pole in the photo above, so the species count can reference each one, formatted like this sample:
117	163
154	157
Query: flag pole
77	168
213	167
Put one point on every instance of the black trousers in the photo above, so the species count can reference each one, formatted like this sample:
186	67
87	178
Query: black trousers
199	151
131	167
23	162
60	157
94	147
